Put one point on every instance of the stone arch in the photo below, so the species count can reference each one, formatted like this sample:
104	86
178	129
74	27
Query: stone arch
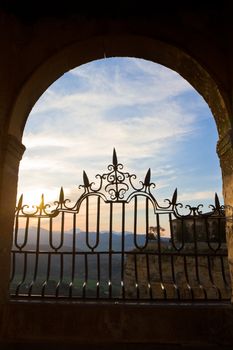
79	53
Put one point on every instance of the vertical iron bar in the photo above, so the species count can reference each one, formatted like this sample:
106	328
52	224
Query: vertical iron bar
51	233
26	232
148	276
62	229
85	276
196	259
147	221
174	278
172	234
123	250
61	275
110	251
183	235
73	257
223	270
171	231
12	266
92	247
97	223
159	258
20	247
36	258
187	278
96	245
219	234
172	256
136	276
24	274
135	221
16	228
207	233
212	280
87	222
47	275
98	276
146	243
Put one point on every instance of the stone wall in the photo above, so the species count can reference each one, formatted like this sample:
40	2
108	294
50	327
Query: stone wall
185	276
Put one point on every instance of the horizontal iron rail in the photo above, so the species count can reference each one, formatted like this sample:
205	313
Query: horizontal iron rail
103	252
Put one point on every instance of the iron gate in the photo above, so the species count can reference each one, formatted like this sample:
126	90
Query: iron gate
118	243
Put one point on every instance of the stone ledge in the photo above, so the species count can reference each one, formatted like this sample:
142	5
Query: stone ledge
14	147
128	346
189	324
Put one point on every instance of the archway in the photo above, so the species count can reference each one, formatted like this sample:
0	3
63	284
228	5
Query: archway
75	106
81	52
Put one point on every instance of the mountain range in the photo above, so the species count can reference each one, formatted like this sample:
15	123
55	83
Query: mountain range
81	240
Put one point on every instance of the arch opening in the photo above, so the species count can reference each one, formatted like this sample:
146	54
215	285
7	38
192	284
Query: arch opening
80	52
163	131
147	112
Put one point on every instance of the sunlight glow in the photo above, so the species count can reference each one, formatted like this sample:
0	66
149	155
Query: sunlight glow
32	197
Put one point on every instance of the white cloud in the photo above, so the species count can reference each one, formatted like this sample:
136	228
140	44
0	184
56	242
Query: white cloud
130	104
194	196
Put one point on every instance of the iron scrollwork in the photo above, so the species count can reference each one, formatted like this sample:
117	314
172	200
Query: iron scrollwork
116	185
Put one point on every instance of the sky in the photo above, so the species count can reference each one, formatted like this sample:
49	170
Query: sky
150	114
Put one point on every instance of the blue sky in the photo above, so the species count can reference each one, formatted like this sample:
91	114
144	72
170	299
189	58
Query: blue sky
151	115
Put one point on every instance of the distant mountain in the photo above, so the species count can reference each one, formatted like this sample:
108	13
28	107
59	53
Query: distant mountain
83	241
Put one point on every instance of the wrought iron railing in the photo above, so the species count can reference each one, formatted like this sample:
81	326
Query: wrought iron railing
118	243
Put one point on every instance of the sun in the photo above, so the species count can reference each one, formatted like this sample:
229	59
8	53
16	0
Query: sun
32	197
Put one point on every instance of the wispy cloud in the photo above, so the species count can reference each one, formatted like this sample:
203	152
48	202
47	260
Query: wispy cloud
196	196
133	105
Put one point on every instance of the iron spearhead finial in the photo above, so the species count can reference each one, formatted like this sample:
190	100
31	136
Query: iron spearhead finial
114	158
42	201
174	197
147	178
217	202
85	180
61	195
20	202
